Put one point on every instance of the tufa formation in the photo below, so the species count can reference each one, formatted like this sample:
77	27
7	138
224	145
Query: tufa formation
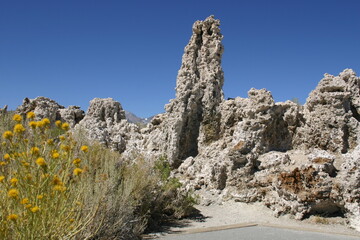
299	160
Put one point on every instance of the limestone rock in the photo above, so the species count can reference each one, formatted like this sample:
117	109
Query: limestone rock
105	122
349	186
4	109
72	115
47	108
42	107
193	117
331	114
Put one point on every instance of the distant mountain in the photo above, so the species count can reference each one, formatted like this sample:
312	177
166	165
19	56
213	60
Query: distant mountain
135	119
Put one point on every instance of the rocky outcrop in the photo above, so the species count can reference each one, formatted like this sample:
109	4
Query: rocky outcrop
298	160
193	117
72	115
47	108
105	122
288	156
331	114
4	109
349	186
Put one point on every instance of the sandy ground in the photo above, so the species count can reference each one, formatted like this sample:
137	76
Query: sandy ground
232	214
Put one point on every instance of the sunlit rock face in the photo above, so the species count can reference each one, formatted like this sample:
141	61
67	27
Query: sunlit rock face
331	114
298	160
192	119
47	108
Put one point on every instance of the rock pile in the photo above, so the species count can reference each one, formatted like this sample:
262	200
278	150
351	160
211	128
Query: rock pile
298	160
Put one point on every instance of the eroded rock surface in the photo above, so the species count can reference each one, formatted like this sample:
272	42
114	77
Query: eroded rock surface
193	117
331	114
47	108
299	160
105	122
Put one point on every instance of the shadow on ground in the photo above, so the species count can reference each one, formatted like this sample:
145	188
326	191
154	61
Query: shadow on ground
164	229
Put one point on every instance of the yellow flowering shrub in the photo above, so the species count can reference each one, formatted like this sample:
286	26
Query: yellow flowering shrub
40	184
55	184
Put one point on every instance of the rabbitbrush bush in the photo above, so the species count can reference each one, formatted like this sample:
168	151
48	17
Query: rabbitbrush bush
57	185
42	184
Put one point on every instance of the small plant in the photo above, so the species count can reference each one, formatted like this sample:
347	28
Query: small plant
170	201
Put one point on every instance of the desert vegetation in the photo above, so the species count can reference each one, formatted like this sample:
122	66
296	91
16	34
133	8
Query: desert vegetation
56	184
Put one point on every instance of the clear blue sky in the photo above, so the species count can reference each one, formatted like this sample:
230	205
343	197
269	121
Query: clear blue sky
73	51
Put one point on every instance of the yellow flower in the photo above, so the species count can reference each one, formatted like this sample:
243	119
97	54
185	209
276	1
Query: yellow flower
62	138
65	126
2	178
14	181
34	151
33	124
13	193
3	163
58	123
84	148
8	135
3	143
45	121
7	156
24	201
78	171
59	188
30	115
40	161
71	220
55	155
50	142
28	205
40	196
17	118
19	128
12	217
35	209
77	161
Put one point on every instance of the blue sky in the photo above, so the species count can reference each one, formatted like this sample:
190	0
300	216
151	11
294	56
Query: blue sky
73	51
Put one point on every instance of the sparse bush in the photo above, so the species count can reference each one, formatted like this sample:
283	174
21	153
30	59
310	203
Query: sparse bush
55	184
